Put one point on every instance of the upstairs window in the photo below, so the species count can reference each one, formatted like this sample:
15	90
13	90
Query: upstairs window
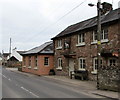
94	34
46	61
104	34
59	44
81	38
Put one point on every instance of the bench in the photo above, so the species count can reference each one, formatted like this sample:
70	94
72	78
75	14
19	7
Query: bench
83	75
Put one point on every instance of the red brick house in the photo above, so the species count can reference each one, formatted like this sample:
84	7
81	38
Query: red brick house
39	60
75	48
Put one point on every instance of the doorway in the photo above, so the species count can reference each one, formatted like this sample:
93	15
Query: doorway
71	66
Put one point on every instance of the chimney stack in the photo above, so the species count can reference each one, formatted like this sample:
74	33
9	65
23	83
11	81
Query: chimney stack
107	7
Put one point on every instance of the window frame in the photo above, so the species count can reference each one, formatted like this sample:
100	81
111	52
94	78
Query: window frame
95	65
46	62
103	33
36	61
81	38
59	63
94	36
116	63
29	64
82	64
59	44
24	61
103	36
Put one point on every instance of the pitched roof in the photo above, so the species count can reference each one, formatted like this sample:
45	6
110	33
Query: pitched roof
111	16
21	52
46	48
6	54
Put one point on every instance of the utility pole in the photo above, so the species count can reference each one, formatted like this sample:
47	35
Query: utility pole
10	46
9	53
99	40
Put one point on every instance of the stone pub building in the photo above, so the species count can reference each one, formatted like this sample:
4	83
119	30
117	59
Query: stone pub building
75	48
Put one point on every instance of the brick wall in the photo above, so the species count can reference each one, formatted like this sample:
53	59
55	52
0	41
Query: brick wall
41	68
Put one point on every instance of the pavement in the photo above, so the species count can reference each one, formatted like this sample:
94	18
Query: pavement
86	86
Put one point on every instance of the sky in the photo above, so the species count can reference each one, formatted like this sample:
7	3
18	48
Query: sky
30	23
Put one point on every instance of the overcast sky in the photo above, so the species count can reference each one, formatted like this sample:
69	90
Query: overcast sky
30	23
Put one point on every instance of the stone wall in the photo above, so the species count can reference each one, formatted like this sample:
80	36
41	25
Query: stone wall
109	78
87	51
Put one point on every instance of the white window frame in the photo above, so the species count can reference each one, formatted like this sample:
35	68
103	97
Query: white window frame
45	61
103	32
94	41
59	44
59	63
112	59
95	65
81	65
81	39
103	39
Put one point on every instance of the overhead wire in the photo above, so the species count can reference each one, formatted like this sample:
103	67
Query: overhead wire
51	25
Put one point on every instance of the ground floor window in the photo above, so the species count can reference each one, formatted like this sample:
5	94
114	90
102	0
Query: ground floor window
24	61
112	62
36	61
59	63
46	61
82	64
95	63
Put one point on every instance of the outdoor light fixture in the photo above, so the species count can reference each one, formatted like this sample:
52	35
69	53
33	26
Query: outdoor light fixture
91	5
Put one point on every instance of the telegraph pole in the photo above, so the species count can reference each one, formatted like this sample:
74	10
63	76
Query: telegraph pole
99	40
9	53
10	46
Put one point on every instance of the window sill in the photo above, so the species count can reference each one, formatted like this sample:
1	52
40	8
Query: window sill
94	42
59	48
94	72
104	41
35	68
82	69
29	67
80	44
24	66
59	68
46	65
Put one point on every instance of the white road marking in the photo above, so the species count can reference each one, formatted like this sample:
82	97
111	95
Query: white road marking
34	94
21	87
29	92
9	79
4	76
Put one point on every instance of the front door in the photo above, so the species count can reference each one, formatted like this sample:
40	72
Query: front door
71	65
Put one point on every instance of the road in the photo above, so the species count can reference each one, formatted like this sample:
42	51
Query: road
17	85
